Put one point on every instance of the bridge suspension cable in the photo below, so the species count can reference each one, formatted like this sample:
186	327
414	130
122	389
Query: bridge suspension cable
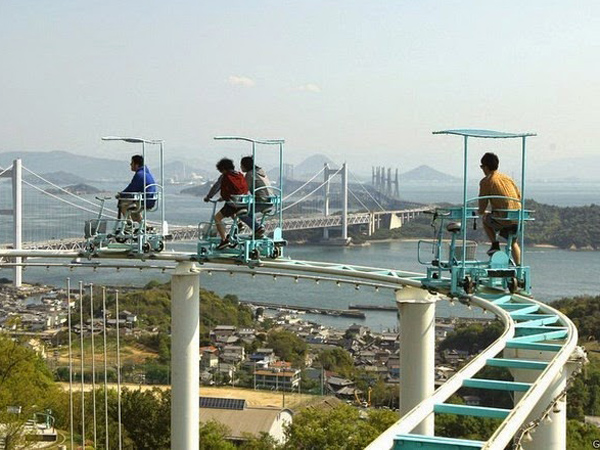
312	192
358	199
366	190
49	194
301	187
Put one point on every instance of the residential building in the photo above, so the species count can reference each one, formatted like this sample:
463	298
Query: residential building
275	378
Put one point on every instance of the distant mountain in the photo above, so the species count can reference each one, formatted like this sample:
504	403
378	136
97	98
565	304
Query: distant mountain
426	173
67	168
314	163
88	168
306	168
60	178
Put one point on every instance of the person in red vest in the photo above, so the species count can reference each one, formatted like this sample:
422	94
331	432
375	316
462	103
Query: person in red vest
231	182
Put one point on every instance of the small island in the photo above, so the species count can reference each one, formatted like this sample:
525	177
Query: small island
77	189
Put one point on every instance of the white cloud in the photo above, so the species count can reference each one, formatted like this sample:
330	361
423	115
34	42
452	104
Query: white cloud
237	80
308	87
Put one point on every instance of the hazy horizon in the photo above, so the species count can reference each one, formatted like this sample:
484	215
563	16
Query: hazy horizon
362	83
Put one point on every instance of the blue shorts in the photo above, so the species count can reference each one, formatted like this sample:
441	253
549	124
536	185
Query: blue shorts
503	227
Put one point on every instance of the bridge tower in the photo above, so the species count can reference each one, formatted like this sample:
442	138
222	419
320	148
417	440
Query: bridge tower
327	174
16	174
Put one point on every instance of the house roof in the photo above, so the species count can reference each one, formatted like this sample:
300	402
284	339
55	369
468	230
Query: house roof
249	420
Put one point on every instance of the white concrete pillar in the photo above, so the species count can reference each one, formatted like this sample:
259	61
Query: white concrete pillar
416	309
185	357
17	173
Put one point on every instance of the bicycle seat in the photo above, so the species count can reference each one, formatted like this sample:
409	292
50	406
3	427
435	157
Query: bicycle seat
453	227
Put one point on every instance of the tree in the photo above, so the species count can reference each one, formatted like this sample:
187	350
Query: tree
337	360
212	436
262	442
581	435
288	347
473	337
338	428
26	386
154	406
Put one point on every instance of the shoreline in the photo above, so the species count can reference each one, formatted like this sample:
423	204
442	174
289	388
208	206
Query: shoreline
368	242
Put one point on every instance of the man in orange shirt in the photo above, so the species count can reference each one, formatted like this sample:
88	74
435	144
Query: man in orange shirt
498	184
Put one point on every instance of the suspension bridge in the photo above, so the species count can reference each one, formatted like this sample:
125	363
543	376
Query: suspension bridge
538	346
51	216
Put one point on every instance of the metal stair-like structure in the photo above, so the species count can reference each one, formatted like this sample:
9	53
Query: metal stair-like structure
538	340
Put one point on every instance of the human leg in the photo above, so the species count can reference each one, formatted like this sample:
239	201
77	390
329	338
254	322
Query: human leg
130	209
219	225
490	228
258	229
516	252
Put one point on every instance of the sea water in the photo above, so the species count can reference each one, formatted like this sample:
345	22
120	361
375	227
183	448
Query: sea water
555	273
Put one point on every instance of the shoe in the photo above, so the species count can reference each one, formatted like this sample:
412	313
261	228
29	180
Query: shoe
260	233
494	248
223	245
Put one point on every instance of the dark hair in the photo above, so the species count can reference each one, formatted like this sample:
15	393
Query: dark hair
138	160
490	160
247	162
225	164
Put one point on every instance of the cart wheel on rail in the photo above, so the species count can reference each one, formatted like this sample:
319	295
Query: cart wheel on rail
468	285
276	253
512	284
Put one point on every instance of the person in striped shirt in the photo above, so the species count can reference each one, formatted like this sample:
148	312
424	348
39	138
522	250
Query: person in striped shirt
494	222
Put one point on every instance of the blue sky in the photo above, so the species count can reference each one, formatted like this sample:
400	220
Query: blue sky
361	81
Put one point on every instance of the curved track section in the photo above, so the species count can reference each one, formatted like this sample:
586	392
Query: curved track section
536	339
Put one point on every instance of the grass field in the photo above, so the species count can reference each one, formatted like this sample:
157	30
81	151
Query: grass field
252	397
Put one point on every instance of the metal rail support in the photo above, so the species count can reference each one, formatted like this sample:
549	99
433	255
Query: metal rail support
185	357
416	309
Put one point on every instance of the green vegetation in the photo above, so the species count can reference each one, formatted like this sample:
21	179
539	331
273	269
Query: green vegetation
584	311
288	347
472	337
342	427
584	394
337	360
575	227
572	227
26	387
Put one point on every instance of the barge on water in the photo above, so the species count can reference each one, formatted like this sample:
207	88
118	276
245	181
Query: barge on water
355	314
374	307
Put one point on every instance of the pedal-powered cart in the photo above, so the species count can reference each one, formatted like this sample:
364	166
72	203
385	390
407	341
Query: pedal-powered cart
125	234
246	245
455	269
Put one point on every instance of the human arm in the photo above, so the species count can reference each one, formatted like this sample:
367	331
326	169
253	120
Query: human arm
137	183
483	192
214	189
